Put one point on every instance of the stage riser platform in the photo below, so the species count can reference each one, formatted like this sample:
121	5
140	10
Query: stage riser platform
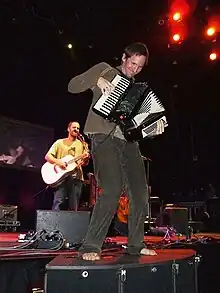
174	276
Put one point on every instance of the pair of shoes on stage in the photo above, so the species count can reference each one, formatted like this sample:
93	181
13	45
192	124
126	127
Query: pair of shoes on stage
94	256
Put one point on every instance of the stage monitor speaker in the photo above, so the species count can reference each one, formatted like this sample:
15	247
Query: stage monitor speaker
176	217
73	225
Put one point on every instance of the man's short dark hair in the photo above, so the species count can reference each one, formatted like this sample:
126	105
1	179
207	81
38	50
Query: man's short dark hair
70	123
136	48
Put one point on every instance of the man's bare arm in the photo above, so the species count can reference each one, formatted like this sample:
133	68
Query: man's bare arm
88	79
51	159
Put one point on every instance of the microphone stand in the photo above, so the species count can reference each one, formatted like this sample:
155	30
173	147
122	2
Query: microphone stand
81	137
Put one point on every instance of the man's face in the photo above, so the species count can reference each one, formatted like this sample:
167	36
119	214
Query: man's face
74	129
133	65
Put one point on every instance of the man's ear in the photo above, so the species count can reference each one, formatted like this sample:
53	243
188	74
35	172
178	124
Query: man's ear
123	57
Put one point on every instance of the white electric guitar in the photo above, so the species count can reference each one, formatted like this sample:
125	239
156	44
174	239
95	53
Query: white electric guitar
53	175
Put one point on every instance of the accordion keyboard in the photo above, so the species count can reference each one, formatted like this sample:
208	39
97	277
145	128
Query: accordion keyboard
106	103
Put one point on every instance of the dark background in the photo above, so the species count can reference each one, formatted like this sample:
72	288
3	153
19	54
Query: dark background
36	66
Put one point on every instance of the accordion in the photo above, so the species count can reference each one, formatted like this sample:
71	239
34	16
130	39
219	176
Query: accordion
132	106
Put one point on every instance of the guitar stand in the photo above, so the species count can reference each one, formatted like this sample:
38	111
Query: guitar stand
167	236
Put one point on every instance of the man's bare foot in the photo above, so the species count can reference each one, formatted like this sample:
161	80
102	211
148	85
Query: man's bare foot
145	251
91	256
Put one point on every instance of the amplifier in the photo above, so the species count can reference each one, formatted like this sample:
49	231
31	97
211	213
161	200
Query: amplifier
73	225
176	217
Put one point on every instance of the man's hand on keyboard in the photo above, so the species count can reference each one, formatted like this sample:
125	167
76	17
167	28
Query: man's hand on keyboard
160	127
105	86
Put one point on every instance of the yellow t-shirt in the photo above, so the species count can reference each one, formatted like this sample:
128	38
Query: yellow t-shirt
63	147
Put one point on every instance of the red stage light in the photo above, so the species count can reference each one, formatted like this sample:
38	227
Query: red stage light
179	9
210	31
176	37
213	56
177	16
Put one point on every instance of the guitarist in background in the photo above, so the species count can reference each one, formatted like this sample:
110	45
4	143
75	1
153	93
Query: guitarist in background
67	194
